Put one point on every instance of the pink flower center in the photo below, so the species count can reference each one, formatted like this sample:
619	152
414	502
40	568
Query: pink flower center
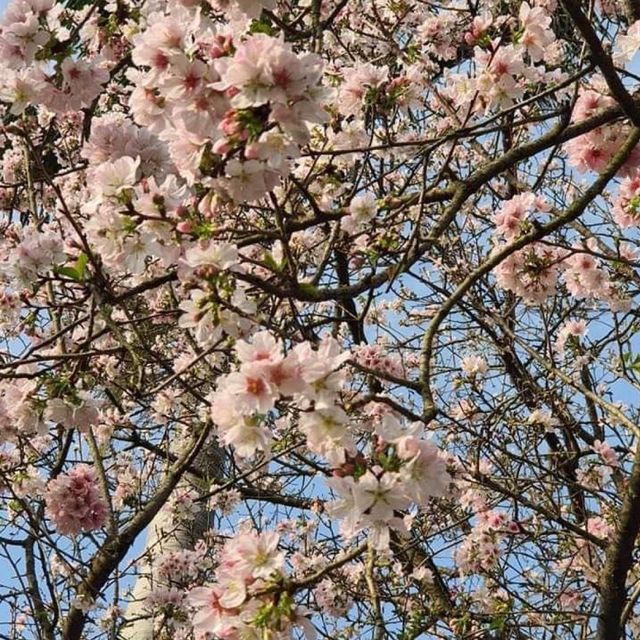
255	386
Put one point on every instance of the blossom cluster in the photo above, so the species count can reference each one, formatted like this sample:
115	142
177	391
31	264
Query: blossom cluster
265	373
503	70
217	304
247	594
375	358
625	207
19	416
533	272
403	470
232	112
480	551
26	29
74	501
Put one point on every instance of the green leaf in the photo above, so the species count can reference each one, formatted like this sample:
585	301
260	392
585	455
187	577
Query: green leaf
69	272
270	261
77	272
497	624
81	264
262	26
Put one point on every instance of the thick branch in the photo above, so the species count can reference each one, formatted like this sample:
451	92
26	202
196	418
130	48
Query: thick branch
603	60
619	560
572	213
114	550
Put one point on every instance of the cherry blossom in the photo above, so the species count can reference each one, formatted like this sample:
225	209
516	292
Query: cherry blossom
74	502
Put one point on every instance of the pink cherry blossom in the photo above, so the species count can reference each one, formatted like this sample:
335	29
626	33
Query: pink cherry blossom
74	502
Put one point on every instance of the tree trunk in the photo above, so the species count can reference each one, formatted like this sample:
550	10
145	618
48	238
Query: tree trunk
166	536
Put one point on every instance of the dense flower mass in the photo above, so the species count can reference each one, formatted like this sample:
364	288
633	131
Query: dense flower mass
74	502
245	594
232	114
372	495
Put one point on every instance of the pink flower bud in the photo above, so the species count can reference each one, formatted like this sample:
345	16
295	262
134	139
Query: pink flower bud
221	147
252	151
182	211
